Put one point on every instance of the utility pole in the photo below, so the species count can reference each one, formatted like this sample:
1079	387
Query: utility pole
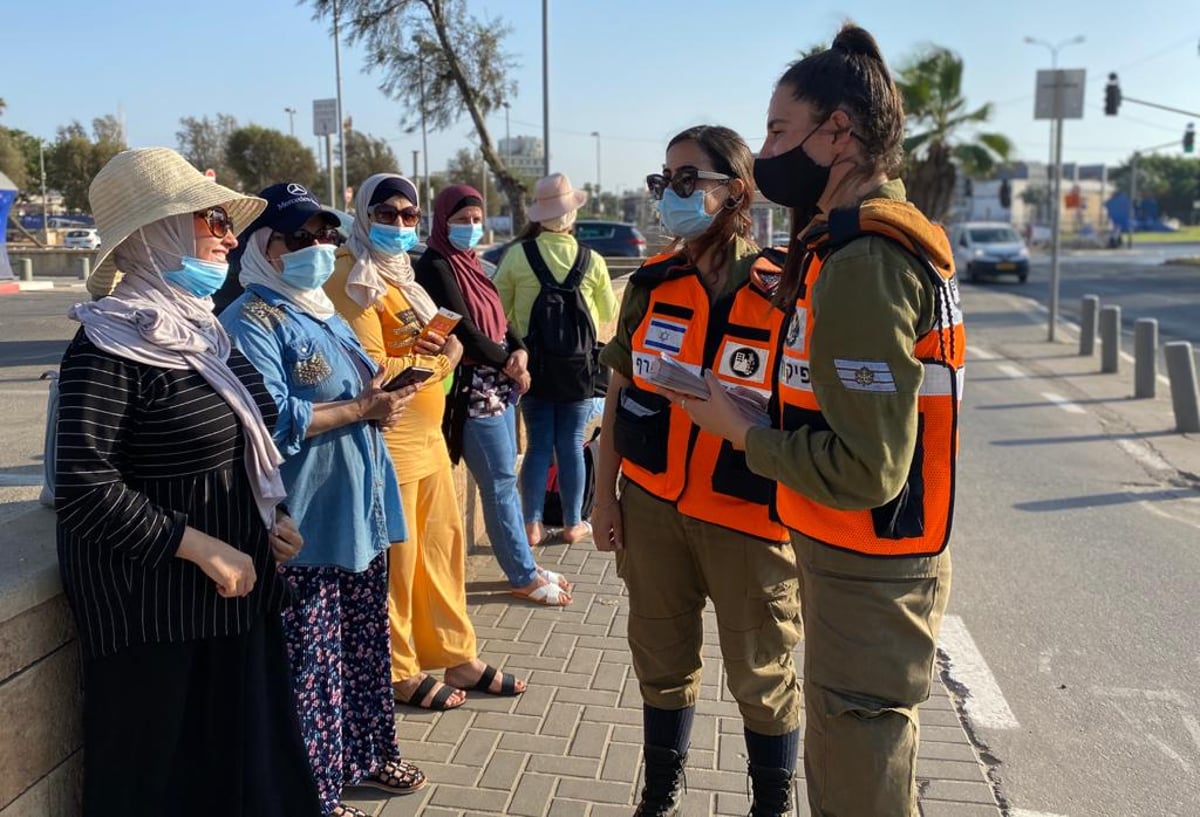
337	62
424	131
45	217
546	86
416	169
291	112
599	201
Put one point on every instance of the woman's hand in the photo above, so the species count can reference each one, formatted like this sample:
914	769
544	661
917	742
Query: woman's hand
716	415
516	364
230	569
285	539
430	343
453	351
382	406
522	383
607	525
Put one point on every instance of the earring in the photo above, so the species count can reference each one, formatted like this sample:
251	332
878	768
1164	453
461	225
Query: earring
731	203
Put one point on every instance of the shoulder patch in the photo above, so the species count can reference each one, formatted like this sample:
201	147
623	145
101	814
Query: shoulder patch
866	375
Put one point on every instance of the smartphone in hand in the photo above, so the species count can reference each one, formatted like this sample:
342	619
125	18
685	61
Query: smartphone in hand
412	376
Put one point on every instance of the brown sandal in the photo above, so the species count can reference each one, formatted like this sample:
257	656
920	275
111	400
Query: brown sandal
397	777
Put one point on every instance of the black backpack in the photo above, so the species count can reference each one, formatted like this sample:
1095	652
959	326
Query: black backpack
561	337
552	510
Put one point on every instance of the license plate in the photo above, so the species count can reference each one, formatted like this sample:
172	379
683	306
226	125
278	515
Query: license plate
1006	265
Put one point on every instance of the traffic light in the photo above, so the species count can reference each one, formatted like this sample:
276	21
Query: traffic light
1189	138
1112	96
1005	194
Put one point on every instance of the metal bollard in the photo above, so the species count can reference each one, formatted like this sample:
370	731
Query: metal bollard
1087	325
1110	339
1181	371
85	267
1145	357
26	269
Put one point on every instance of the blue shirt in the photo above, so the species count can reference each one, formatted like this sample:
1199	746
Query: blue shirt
341	485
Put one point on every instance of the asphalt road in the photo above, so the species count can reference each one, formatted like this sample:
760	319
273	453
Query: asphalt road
1076	574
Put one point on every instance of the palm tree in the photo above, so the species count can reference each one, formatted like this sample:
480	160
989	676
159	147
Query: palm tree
936	148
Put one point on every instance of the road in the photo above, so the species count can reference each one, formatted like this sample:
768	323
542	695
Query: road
1076	575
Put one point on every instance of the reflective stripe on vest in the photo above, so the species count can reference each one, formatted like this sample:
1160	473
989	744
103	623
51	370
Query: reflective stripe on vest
918	521
667	455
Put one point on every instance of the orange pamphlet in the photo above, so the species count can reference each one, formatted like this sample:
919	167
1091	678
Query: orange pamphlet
442	323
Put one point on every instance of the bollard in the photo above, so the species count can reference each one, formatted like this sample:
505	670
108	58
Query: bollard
1087	325
1145	357
1181	371
26	269
1110	339
85	267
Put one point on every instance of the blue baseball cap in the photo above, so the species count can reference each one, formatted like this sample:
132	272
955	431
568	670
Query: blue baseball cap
289	205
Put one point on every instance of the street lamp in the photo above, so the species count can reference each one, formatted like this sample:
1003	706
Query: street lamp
1054	49
291	112
599	202
420	45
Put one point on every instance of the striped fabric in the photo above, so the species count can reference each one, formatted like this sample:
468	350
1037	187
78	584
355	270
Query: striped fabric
144	452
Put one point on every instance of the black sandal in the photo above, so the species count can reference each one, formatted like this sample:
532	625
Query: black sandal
508	683
438	704
344	810
397	777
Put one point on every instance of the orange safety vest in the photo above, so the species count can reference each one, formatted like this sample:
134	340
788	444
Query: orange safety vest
737	336
917	522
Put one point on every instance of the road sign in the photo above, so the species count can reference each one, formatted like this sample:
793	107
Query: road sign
325	118
1071	94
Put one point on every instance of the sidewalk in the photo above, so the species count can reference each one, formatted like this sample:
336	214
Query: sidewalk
570	746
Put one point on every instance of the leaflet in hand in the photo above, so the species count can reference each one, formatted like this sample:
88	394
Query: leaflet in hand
668	373
443	323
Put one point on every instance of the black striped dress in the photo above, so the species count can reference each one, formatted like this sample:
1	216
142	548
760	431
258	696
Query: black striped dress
142	453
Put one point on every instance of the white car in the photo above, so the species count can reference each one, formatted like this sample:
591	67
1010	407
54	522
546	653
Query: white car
986	249
88	239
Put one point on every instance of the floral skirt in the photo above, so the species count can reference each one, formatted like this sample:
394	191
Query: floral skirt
337	638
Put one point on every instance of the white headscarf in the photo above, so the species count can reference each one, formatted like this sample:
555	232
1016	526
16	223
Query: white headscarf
374	270
258	269
149	321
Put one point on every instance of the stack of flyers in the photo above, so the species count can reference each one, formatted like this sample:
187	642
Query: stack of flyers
670	374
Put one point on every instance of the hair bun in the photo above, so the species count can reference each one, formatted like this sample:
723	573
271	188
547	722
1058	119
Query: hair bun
855	40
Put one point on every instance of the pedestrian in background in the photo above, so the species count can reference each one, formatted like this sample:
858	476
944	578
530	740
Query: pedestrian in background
167	482
691	522
341	489
869	383
480	419
375	291
544	258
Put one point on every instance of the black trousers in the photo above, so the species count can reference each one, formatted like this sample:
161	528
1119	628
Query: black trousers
205	727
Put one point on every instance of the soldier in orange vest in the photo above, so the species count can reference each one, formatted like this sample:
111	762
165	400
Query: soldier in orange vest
868	386
692	522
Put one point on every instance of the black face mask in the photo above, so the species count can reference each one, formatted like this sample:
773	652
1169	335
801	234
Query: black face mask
793	179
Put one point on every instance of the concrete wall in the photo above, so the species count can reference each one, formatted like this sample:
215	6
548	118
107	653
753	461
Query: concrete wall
50	263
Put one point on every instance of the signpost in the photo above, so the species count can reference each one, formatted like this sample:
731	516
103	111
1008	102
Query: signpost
1059	96
325	123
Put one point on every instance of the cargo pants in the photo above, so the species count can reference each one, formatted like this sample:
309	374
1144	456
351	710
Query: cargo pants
670	564
870	640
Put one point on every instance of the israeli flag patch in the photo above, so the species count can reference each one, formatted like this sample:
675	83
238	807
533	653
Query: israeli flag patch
866	375
666	336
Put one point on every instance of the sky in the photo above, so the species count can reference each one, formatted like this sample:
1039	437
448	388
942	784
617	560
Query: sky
636	71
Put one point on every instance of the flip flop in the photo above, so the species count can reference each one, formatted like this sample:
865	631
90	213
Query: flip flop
508	683
547	595
438	704
555	578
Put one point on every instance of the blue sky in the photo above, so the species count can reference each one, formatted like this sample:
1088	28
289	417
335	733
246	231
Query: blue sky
637	71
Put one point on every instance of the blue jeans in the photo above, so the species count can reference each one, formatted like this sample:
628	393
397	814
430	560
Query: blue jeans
490	451
554	430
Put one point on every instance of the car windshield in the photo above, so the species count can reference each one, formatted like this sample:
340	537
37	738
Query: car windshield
994	235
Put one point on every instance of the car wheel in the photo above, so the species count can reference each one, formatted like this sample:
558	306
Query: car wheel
973	274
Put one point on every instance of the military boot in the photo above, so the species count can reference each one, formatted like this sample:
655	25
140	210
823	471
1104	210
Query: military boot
772	792
665	783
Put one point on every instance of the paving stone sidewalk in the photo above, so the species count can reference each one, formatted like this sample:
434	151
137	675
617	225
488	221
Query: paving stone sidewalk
570	746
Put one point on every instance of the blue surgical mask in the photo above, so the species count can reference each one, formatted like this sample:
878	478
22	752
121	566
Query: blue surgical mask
682	217
200	278
466	236
393	240
310	267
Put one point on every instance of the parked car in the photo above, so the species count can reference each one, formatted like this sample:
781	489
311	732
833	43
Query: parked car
988	249
612	239
82	239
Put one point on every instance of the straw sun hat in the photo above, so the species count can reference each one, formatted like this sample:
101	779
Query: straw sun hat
553	197
141	186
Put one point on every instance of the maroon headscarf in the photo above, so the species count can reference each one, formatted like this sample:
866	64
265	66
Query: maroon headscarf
483	301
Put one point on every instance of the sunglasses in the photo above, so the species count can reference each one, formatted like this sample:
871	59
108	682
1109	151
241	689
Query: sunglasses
218	221
303	238
682	181
387	214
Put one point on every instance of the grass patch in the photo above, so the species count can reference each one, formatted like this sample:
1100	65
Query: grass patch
1184	236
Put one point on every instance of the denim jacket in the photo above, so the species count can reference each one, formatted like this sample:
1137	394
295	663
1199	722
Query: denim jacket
341	485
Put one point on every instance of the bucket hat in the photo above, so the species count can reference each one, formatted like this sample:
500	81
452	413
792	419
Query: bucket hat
553	197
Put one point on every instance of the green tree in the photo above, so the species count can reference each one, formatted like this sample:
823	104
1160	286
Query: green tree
75	158
1172	181
263	156
941	139
204	142
440	62
12	161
